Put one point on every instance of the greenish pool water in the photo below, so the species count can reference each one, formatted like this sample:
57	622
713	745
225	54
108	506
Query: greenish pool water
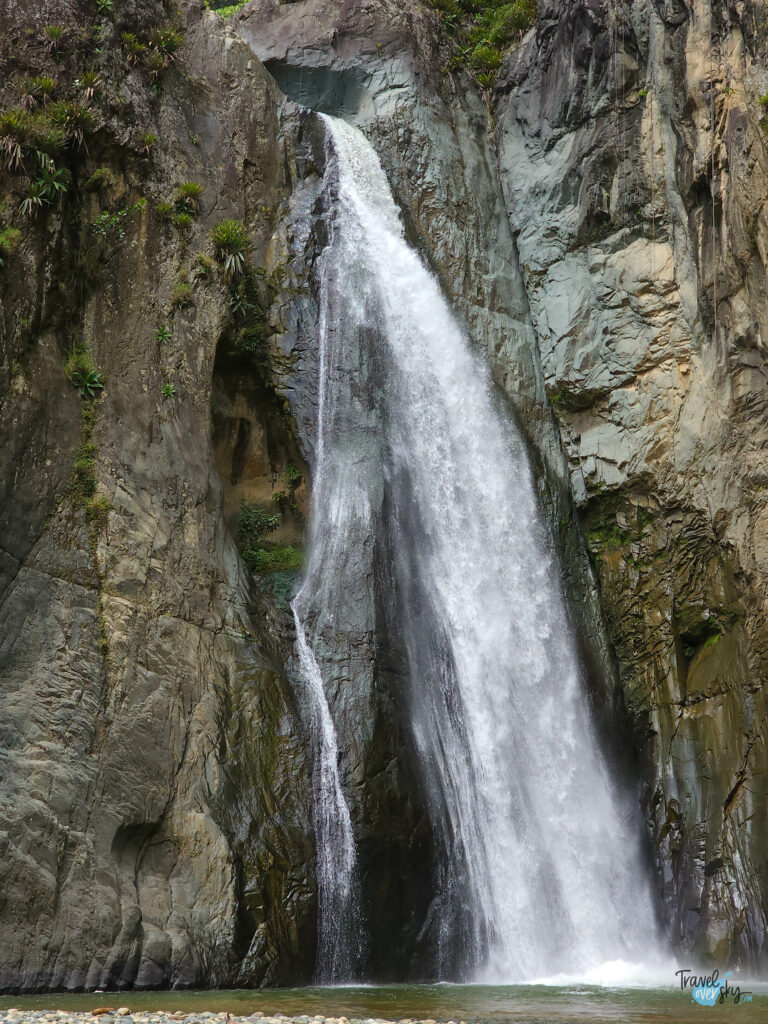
475	1004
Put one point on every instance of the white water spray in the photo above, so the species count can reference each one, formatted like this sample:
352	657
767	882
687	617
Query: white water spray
540	866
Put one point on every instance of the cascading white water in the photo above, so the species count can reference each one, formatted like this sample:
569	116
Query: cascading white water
540	866
333	827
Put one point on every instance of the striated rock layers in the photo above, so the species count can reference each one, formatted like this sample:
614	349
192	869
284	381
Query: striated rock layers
633	160
602	233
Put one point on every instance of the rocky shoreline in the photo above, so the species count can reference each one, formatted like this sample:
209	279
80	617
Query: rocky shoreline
123	1015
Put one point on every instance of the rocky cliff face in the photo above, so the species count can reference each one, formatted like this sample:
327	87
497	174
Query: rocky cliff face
633	161
154	794
598	223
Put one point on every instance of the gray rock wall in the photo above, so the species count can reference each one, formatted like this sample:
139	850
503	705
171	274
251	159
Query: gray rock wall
155	805
633	162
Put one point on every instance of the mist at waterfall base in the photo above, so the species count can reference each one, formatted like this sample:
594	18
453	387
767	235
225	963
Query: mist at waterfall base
540	872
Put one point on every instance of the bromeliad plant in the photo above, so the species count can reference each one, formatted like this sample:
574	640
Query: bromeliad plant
155	65
187	198
167	41
72	118
89	83
147	140
47	186
15	126
39	89
134	48
54	38
231	245
87	382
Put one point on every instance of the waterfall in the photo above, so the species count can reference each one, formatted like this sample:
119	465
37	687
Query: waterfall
540	867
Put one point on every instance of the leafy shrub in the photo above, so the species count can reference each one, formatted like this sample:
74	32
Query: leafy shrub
225	9
276	558
255	522
111	224
505	22
483	29
251	339
254	525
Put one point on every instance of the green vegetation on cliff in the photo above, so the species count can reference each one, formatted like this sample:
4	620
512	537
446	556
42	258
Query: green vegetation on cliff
260	555
483	30
57	103
223	8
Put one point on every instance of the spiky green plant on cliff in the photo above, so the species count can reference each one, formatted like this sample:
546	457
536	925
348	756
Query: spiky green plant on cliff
54	37
231	245
133	47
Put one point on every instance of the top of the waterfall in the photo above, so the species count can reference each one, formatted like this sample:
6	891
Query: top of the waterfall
362	181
